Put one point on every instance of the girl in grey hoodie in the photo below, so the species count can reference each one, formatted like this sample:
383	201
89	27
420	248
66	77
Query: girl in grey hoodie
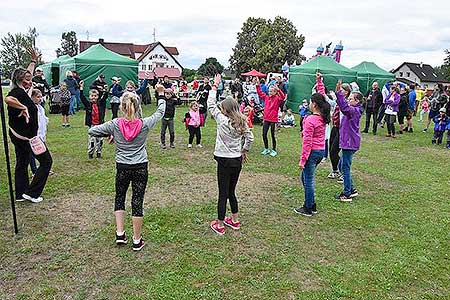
130	137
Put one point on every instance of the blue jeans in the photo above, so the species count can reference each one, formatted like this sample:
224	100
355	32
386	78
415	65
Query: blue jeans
77	96
72	104
346	165
307	176
325	154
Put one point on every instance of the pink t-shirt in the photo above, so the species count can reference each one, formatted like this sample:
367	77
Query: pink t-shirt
313	136
195	118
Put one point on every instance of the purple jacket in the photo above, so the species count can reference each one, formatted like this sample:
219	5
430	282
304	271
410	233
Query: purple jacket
349	136
393	103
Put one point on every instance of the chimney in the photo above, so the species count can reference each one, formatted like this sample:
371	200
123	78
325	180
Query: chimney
421	65
101	41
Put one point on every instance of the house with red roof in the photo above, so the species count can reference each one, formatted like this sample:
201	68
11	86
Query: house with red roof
155	57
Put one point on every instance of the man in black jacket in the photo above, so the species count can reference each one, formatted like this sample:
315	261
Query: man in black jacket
373	104
169	114
41	84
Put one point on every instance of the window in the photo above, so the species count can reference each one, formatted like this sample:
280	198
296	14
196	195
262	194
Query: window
434	75
401	74
144	67
408	74
424	74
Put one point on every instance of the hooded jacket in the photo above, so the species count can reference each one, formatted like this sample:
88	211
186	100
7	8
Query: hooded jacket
392	101
130	137
349	136
72	84
271	104
89	106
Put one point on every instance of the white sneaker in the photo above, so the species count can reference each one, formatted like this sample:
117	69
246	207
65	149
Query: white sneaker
199	146
189	145
34	200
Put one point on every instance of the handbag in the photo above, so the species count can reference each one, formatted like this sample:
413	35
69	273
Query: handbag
37	145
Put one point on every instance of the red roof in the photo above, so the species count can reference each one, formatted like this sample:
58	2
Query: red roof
172	73
140	48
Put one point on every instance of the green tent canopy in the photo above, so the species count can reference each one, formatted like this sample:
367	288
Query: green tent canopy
303	78
368	73
97	60
51	70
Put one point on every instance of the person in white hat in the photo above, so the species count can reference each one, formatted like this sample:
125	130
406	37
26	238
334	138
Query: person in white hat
41	84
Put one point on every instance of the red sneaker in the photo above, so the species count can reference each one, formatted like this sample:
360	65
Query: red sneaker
215	227
229	222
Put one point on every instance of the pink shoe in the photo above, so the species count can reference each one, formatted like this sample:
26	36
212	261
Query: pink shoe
215	227
229	222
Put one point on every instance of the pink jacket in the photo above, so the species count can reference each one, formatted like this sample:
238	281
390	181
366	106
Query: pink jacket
313	136
195	118
271	104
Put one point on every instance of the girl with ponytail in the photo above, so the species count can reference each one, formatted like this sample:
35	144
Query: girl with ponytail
130	137
313	149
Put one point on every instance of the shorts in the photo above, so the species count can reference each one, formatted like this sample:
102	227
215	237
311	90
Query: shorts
433	113
401	119
65	109
409	114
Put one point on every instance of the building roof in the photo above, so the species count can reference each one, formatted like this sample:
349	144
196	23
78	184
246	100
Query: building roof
172	73
152	46
423	71
127	49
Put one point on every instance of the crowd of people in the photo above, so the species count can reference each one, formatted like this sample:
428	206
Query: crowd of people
329	123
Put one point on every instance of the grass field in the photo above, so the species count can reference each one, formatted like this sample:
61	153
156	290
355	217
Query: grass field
390	243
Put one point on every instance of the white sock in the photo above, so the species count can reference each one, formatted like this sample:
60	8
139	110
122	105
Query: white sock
120	233
136	241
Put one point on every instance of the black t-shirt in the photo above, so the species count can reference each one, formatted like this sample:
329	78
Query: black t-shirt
20	125
203	98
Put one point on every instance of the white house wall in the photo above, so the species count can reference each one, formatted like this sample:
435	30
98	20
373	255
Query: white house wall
412	76
159	50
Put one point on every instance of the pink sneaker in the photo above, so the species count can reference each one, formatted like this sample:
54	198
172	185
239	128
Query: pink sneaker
229	222
215	227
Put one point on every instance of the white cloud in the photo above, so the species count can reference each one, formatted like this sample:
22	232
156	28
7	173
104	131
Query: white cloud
386	32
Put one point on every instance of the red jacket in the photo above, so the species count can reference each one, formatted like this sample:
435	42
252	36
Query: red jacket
271	104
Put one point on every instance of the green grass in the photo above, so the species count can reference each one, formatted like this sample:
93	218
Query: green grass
390	243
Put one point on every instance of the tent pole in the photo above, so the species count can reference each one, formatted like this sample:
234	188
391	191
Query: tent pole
8	164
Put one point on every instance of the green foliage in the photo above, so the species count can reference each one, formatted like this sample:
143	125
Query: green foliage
13	50
189	74
266	45
69	44
444	70
210	67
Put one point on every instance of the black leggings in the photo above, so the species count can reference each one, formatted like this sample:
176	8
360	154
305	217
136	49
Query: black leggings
194	131
138	176
334	148
115	109
266	126
228	170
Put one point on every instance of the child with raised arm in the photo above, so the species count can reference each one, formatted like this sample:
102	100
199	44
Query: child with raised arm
313	149
233	141
130	138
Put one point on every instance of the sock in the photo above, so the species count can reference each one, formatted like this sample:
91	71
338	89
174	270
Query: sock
136	241
120	233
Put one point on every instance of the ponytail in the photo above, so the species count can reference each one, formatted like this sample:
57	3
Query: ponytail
130	106
323	105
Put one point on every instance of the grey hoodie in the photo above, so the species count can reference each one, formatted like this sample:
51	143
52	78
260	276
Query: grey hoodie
131	150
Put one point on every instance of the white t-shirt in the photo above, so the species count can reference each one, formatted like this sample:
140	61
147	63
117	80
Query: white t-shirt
42	122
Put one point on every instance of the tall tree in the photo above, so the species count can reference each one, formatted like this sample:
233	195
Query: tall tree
189	74
13	50
69	44
210	67
444	70
266	45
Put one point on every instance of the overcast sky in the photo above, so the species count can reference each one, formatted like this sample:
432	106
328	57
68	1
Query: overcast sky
386	32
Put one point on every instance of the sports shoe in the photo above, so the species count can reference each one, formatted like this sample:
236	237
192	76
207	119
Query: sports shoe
340	179
394	136
410	130
333	175
121	239
90	156
67	125
388	135
365	131
314	209
63	125
342	197
163	146
215	227
189	145
265	152
172	145
199	146
99	155
229	222
273	153
303	211
20	199
323	160
34	200
354	193
138	246
425	130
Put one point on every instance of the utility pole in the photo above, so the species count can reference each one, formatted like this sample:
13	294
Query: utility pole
87	35
154	35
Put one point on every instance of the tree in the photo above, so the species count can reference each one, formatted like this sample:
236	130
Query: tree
189	74
266	45
69	44
13	50
210	67
444	70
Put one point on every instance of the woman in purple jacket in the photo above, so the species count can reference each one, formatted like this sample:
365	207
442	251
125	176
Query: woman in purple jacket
391	103
349	137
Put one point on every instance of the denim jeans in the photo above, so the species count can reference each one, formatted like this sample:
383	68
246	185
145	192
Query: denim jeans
346	165
78	100
72	105
307	176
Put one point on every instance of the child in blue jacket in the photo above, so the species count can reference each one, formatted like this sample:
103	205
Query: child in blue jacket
440	125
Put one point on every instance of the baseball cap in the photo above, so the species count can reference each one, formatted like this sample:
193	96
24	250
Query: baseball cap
442	110
101	76
39	69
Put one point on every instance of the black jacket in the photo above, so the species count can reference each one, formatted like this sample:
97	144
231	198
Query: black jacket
374	99
203	93
403	105
170	106
42	85
101	102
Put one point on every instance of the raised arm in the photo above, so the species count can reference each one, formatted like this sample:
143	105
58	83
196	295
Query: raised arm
115	91
211	102
320	87
143	86
159	113
103	130
35	55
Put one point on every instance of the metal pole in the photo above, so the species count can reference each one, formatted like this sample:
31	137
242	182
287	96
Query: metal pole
8	164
